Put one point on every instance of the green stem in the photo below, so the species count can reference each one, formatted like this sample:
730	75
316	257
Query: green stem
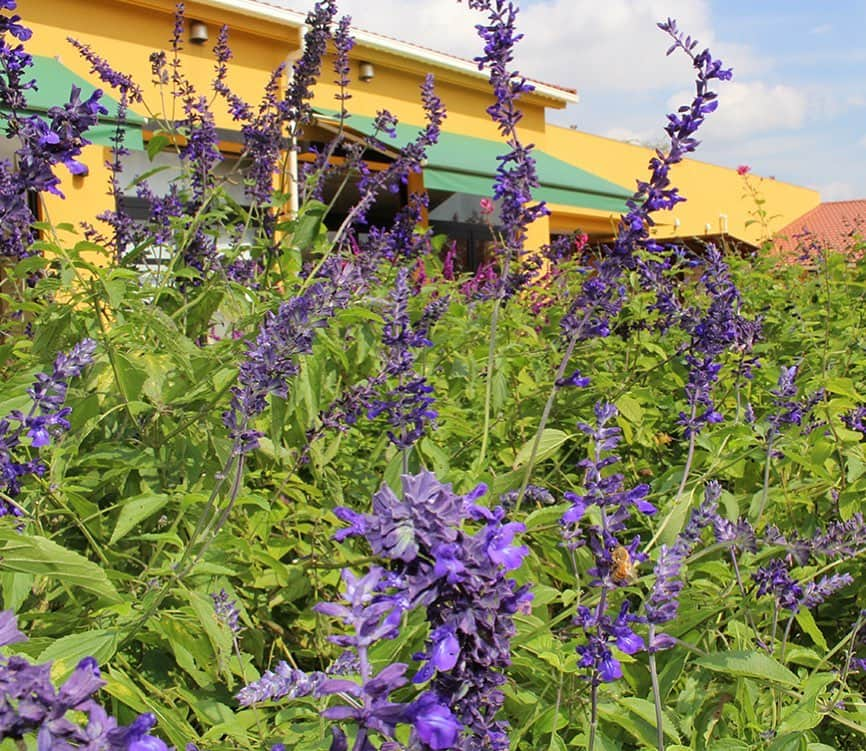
657	699
491	356
593	717
545	415
686	471
766	487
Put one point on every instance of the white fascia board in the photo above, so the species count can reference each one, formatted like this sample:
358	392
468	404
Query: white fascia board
295	19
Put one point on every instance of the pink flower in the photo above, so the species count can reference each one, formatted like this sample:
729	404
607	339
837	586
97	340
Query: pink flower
486	206
744	169
580	241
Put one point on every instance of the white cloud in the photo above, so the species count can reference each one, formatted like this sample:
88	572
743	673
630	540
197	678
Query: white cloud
749	108
838	190
610	45
824	28
862	142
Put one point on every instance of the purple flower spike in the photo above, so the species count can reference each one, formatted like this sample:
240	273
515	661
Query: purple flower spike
9	633
434	723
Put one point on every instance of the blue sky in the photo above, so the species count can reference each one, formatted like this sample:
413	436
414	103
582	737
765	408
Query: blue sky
796	109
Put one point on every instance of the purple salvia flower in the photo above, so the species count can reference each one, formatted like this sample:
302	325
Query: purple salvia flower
532	494
787	408
283	682
461	580
516	174
9	633
272	360
815	593
343	42
43	141
295	107
662	603
46	418
129	93
33	710
602	293
855	419
775	579
226	610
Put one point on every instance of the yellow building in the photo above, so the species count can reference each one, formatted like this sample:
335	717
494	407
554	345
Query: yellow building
585	179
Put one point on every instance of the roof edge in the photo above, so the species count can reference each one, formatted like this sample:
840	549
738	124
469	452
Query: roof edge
383	43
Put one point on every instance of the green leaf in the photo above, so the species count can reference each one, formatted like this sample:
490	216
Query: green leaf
16	589
218	635
806	621
309	224
630	408
130	377
135	510
789	742
551	440
156	144
647	712
67	652
30	554
749	664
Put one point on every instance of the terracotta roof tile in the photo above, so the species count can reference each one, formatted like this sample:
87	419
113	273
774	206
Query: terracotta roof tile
833	225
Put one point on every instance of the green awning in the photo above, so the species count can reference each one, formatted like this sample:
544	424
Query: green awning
54	81
466	164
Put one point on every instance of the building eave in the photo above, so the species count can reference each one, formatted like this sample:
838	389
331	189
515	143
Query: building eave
554	96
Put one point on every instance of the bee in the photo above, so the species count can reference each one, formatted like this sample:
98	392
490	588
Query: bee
624	569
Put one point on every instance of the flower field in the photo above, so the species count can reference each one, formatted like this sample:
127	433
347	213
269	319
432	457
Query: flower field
304	489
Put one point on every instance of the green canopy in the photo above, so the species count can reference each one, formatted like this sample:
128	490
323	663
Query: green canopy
54	81
466	164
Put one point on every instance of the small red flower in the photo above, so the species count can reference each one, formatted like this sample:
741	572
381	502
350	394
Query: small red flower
486	206
744	169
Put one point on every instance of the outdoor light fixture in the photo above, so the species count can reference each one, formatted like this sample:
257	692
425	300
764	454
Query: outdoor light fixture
366	71
197	32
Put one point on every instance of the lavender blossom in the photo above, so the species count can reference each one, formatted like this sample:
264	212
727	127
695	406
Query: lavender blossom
33	709
461	581
283	682
226	610
602	293
272	361
516	175
46	419
787	409
44	142
662	604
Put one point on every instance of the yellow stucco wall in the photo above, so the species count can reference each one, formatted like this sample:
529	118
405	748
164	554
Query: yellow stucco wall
397	86
125	34
712	192
127	31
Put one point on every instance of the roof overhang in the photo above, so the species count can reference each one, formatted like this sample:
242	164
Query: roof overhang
554	95
468	164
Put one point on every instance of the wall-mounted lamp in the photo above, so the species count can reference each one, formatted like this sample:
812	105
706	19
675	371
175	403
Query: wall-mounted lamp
723	223
366	72
707	228
197	32
676	223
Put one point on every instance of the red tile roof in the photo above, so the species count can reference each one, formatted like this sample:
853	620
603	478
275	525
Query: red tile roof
833	225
